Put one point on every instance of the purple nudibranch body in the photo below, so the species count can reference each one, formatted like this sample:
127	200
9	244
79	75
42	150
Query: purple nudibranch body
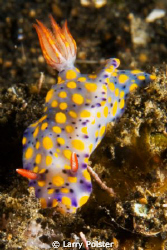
77	111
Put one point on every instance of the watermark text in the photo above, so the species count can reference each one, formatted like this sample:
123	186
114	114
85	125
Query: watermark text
79	245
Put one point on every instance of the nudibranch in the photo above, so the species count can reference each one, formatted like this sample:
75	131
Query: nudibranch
57	147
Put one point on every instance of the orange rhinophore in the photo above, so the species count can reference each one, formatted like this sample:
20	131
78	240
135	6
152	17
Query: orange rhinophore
59	48
27	173
74	162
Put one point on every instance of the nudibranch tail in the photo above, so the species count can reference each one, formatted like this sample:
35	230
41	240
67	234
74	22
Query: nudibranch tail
59	47
27	173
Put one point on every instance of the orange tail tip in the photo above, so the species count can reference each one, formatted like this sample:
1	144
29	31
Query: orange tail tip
59	48
27	173
74	162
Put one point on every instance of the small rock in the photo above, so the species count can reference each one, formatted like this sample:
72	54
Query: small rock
95	3
155	14
32	13
41	59
56	10
139	31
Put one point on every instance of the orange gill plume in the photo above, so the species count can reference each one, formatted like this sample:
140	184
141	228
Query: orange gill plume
59	48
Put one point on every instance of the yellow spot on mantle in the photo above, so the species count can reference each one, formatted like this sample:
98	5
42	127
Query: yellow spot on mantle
45	109
114	74
35	169
97	133
92	76
60	117
84	130
62	94
36	131
78	144
122	93
110	70
54	104
106	111
61	141
66	201
34	124
56	155
38	159
51	191
83	200
63	105
48	160
102	130
44	126
152	77
73	114
122	103
69	129
141	78
67	167
67	153
90	148
91	87
41	183
42	118
64	190
71	74
49	95
28	153
24	140
71	85
37	145
111	86
56	129
54	203
47	143
136	71
85	114
109	99
114	109
43	202
98	114
123	78
57	180
77	98
60	80
72	179
81	79
86	175
133	86
116	92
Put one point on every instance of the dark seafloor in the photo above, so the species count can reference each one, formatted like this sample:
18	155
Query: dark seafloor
132	158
